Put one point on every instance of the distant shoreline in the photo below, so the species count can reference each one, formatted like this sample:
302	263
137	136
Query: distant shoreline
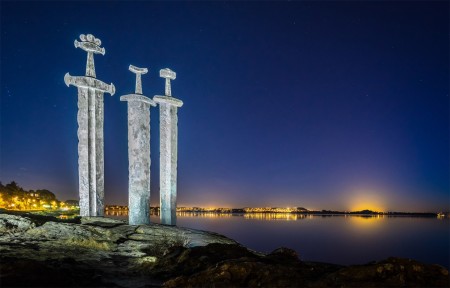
123	211
242	211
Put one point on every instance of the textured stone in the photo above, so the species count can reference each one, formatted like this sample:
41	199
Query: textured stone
226	266
13	223
138	152
131	248
99	209
392	272
168	120
189	261
191	237
60	231
83	151
142	237
90	119
102	222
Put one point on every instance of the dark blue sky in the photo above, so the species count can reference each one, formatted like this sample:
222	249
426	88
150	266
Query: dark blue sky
327	105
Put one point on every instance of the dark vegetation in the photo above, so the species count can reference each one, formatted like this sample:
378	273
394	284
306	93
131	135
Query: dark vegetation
12	196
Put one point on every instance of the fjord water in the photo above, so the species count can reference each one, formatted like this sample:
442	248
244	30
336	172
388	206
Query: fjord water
335	239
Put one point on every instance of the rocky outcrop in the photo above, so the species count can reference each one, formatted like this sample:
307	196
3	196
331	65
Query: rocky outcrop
12	224
37	251
281	269
392	272
46	251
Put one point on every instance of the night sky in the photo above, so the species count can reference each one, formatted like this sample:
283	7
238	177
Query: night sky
325	105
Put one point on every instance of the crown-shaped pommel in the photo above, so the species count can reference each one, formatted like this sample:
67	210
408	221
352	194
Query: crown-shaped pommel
90	44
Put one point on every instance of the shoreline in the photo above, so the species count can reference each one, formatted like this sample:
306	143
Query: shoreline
124	212
240	211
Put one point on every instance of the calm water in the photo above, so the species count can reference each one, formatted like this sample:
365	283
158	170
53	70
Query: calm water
336	239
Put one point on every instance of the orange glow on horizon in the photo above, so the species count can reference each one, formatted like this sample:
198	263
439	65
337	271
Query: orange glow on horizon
366	200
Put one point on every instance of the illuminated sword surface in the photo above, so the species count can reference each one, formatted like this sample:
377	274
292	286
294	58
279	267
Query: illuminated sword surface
90	119
138	152
168	107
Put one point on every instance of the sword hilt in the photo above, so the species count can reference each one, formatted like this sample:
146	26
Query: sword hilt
138	71
91	45
168	75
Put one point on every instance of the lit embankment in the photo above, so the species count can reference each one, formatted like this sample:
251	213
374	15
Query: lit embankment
271	212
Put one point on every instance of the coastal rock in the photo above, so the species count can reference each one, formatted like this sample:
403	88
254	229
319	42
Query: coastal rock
190	237
241	273
101	252
131	248
13	223
284	255
187	261
23	272
264	272
101	221
219	265
93	246
392	272
59	231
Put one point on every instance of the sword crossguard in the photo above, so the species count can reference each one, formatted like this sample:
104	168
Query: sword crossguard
89	83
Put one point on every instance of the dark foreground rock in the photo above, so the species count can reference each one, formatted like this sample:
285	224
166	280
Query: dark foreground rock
206	267
101	252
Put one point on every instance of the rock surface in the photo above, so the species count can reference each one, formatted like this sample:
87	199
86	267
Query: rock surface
89	251
38	251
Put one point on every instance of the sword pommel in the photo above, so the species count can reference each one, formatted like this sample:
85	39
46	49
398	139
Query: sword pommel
167	73
90	44
137	70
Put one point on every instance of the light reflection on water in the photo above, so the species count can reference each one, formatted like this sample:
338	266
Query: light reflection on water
341	239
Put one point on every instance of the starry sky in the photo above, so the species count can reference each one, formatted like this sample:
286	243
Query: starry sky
325	105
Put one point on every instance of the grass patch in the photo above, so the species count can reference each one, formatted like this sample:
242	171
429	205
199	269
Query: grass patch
88	244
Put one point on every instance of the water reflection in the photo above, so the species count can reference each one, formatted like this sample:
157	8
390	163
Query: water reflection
275	216
342	239
205	214
357	219
365	224
116	213
181	214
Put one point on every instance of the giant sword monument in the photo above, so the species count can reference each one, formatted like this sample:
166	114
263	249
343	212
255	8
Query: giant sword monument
168	147
90	129
138	152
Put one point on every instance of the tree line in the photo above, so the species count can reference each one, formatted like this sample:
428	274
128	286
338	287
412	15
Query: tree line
12	196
